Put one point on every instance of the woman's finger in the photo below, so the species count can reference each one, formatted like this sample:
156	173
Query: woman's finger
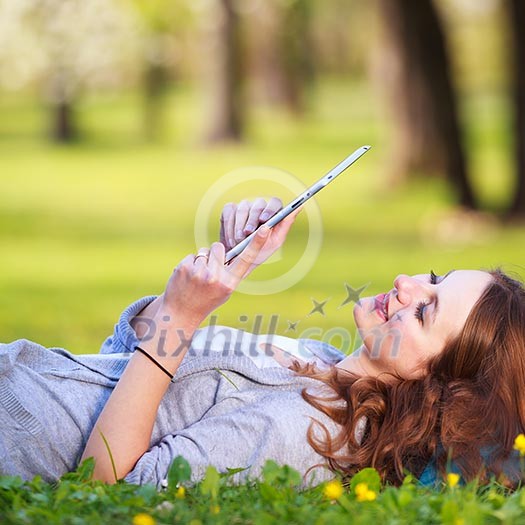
278	236
253	217
243	262
186	263
280	230
241	216
273	206
216	258
227	225
201	259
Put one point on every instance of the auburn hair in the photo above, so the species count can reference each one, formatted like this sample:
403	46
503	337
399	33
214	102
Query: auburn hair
469	400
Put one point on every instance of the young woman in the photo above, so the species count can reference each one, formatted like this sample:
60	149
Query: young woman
438	377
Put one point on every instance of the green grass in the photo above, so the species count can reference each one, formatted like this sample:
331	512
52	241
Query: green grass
275	498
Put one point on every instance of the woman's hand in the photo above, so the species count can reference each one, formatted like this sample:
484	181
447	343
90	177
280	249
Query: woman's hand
240	220
202	282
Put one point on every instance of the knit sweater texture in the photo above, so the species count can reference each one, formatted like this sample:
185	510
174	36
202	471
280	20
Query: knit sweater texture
226	407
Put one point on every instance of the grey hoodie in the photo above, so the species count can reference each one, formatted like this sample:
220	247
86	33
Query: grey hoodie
223	409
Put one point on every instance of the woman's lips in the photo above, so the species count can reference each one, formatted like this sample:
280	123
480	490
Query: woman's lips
381	306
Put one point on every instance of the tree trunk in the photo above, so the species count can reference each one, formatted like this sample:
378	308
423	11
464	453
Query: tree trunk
517	21
428	136
64	129
155	86
225	119
61	96
282	53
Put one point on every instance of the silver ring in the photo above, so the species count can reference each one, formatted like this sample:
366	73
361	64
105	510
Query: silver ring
201	254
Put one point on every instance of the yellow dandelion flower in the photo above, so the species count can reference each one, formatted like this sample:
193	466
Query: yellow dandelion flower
370	495
363	493
519	444
143	519
452	479
360	489
181	492
215	509
333	489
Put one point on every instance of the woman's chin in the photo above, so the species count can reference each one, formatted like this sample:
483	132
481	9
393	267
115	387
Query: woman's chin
364	315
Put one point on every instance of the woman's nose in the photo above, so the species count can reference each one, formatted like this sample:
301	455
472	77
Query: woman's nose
408	287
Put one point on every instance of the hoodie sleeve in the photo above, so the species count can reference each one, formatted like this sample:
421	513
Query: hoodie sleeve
124	338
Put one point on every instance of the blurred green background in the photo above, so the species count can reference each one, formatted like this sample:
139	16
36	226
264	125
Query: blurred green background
116	119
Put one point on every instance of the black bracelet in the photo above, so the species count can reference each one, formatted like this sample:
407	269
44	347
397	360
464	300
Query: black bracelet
153	360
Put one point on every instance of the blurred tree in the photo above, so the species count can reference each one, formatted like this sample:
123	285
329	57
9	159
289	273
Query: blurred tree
428	135
282	55
162	20
341	32
224	81
516	9
65	47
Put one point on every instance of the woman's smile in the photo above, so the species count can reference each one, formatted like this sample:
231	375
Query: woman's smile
381	306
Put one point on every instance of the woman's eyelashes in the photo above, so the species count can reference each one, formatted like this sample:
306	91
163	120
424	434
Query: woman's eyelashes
420	309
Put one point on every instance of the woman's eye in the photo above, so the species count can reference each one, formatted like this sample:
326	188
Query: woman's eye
433	277
420	308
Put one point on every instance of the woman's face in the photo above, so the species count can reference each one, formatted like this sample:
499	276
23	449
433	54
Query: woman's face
404	328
